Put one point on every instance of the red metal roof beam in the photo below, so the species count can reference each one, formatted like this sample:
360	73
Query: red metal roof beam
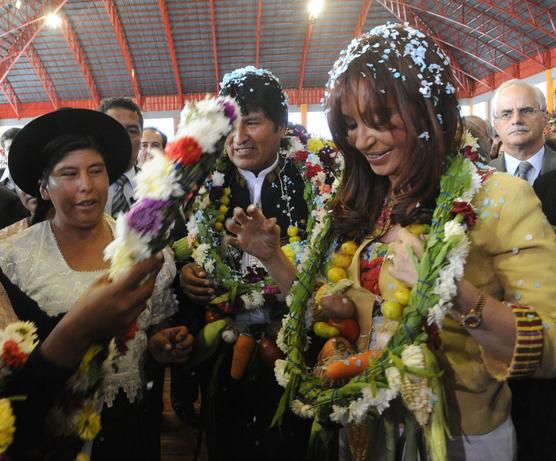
362	17
258	36
171	48
24	39
43	76
214	44
447	19
12	98
511	11
122	41
78	53
308	34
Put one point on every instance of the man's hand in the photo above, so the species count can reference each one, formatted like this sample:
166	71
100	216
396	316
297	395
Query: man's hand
254	233
171	345
194	283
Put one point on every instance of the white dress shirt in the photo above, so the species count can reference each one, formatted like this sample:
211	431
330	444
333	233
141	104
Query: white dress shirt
512	164
254	185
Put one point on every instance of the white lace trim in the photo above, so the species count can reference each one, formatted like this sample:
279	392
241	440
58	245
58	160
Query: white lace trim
33	262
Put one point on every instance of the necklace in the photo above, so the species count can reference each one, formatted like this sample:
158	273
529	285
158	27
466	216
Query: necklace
246	288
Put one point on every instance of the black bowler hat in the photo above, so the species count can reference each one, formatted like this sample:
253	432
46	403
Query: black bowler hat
27	159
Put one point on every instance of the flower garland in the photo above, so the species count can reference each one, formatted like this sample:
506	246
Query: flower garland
405	368
318	164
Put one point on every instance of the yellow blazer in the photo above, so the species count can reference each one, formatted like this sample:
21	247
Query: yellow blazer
512	258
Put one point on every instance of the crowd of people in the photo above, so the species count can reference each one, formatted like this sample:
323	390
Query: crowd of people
398	140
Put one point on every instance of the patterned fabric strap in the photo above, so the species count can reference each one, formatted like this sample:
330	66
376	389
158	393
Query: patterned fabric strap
529	341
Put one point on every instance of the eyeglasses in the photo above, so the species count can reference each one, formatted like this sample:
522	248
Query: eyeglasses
525	112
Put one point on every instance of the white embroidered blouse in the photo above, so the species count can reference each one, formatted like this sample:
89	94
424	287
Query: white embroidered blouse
33	261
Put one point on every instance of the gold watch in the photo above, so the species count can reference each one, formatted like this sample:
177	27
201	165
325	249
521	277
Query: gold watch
474	316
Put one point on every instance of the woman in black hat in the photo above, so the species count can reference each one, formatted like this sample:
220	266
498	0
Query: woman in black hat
67	159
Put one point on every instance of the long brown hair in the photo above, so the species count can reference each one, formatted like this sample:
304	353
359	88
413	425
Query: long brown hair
419	86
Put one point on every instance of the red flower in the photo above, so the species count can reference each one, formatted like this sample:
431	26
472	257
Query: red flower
370	273
130	334
470	154
301	156
12	354
312	170
184	150
433	341
465	209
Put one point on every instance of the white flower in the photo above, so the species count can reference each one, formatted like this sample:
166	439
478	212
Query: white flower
206	131
192	228
253	300
381	401
24	334
158	180
476	183
412	356
394	379
200	253
282	378
217	178
453	230
295	146
339	415
303	410
470	140
358	409
127	248
209	265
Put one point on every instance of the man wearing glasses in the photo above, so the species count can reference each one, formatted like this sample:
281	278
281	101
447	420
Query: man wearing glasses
519	111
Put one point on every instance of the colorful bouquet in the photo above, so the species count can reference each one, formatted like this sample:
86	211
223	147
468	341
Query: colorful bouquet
168	181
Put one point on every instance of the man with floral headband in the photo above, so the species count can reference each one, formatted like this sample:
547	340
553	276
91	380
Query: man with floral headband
241	396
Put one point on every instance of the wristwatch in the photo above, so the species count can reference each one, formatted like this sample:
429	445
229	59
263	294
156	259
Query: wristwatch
474	316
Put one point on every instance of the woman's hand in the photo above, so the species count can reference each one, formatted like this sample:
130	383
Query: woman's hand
105	310
171	345
402	267
254	233
194	283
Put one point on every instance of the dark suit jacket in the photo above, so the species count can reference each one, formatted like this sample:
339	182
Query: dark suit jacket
11	209
545	188
548	162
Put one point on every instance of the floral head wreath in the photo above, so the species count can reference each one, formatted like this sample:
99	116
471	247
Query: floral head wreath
390	43
241	77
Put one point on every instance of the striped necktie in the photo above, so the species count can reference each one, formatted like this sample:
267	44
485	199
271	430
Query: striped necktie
522	169
119	201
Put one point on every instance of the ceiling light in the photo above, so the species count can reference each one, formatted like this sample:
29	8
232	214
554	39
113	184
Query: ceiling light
314	8
18	4
53	21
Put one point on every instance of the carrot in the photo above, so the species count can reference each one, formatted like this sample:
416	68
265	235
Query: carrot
243	348
351	366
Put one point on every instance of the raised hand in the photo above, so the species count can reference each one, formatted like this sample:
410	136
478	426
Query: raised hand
254	233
